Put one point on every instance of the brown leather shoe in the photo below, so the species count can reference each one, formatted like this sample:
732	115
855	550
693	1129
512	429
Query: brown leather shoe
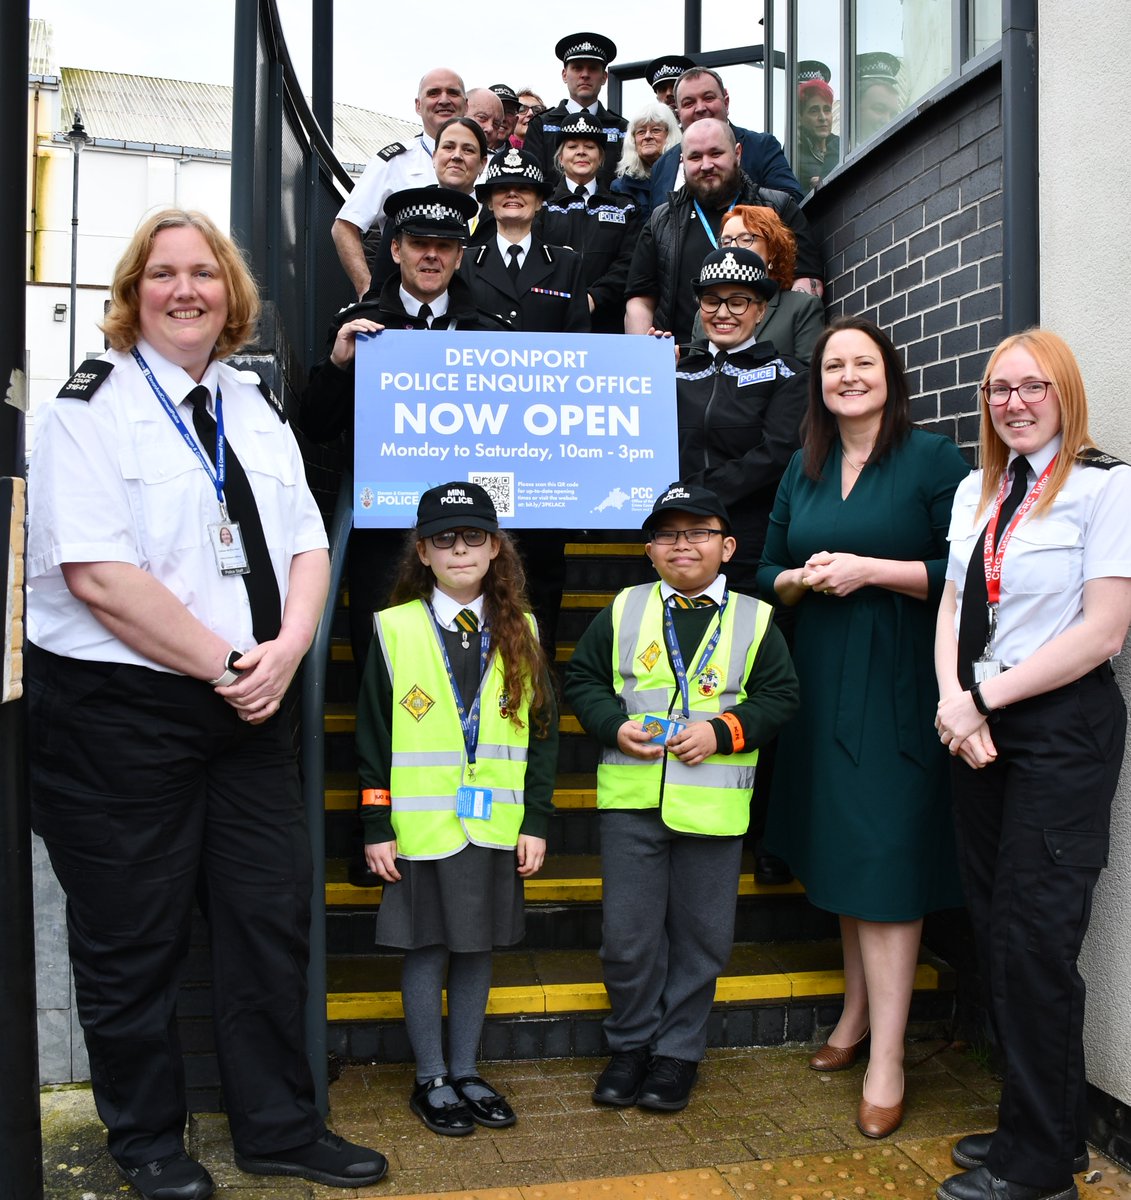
837	1058
876	1122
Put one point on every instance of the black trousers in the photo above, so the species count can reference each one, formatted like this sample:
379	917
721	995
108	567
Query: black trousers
149	792
1032	838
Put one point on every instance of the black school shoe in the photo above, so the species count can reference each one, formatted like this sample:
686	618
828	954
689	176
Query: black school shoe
619	1083
453	1119
668	1083
176	1177
979	1184
492	1111
972	1151
329	1159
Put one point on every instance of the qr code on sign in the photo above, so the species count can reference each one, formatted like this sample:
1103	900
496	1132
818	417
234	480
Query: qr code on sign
499	486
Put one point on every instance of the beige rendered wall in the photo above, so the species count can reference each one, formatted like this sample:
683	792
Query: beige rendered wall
1085	207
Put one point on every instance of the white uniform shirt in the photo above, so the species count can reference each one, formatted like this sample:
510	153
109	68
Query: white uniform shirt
447	609
412	168
716	590
111	480
1084	535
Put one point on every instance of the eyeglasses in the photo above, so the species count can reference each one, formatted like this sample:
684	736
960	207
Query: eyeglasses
746	240
447	539
669	537
535	110
735	305
1032	391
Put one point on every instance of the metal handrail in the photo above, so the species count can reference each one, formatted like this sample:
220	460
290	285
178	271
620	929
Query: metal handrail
313	791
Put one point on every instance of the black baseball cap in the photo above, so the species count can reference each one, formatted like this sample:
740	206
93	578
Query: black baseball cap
455	506
688	498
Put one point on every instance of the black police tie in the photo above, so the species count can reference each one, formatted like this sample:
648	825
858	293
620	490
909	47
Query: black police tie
974	623
262	586
581	192
720	361
425	315
512	266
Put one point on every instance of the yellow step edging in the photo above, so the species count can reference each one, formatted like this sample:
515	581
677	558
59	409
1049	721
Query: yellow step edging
590	995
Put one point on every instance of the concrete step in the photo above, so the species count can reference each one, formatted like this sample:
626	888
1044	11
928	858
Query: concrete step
551	1003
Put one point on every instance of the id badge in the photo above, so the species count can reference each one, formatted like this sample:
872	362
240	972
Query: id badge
662	729
986	668
227	545
473	802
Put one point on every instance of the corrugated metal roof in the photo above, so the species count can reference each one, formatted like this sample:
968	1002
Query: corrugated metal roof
41	48
143	109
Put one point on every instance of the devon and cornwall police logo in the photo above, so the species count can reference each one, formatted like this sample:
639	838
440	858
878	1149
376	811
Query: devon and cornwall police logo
417	702
650	655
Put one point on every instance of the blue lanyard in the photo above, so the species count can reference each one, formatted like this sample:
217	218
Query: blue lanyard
469	720
677	656
218	475
707	224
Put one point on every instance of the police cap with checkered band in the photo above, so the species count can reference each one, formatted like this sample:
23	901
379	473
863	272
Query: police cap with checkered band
510	167
435	212
584	126
734	264
586	45
670	66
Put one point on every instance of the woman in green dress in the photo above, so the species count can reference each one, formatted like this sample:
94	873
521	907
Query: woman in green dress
860	808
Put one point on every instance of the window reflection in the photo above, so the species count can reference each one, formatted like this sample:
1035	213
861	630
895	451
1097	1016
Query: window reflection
903	48
817	149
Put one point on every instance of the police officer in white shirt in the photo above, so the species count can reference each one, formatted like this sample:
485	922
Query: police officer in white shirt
398	166
1038	601
177	570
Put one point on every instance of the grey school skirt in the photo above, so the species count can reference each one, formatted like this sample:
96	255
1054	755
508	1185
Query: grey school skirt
469	902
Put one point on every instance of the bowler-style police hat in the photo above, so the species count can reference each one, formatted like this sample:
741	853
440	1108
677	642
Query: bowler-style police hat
688	498
436	212
877	65
455	506
582	125
510	167
735	264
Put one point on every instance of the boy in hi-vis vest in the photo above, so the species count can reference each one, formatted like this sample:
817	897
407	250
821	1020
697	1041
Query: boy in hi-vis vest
681	681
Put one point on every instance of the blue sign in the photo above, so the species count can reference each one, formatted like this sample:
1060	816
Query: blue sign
566	431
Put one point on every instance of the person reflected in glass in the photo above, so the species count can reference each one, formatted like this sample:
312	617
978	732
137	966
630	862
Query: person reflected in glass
818	148
877	92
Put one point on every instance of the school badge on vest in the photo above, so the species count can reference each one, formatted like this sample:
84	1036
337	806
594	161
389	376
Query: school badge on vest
417	702
504	707
650	655
709	681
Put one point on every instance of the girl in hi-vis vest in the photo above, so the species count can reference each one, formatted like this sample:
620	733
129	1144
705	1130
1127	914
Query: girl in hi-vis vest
457	749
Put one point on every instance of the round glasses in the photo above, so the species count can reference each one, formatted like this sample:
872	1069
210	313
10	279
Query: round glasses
746	240
447	539
736	305
1032	391
669	537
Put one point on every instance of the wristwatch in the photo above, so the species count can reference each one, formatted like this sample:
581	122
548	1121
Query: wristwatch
230	674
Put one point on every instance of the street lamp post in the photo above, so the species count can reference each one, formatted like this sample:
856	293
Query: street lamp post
78	137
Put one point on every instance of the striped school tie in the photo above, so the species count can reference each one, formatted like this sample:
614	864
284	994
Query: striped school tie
695	602
467	622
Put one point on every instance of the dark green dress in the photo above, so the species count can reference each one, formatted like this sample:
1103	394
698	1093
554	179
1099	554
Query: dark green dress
860	807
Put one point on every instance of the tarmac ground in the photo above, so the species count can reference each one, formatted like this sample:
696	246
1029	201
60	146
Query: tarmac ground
760	1126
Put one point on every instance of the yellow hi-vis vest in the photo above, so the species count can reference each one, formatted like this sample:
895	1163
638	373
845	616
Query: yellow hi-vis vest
713	798
429	759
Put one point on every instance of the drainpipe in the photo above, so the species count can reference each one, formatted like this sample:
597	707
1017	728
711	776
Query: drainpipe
1021	250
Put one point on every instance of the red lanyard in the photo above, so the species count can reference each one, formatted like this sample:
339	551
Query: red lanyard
992	561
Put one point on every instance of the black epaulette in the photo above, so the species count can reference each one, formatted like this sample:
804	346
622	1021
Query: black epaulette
391	151
87	379
1089	457
273	400
479	253
548	252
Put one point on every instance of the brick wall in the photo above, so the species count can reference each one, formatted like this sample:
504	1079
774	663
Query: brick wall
912	238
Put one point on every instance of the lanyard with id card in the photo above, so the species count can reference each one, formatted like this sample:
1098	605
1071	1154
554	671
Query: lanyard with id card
223	535
987	666
471	802
677	656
